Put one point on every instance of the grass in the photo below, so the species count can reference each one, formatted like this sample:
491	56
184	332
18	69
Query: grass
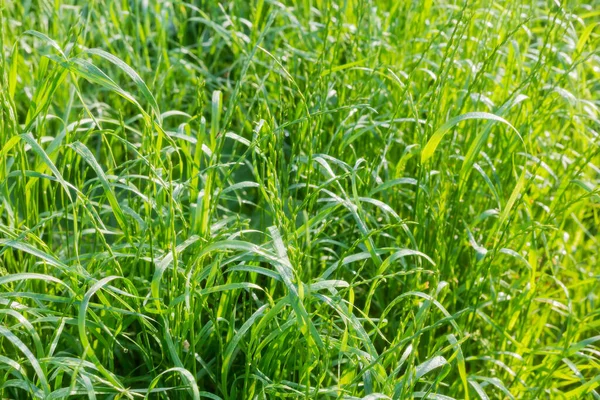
300	199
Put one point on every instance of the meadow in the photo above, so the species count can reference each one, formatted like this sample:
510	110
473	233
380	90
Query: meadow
345	199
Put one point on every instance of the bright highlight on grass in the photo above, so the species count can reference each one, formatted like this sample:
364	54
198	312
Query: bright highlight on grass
351	199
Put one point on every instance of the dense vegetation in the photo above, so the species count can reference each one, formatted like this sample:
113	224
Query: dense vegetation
306	199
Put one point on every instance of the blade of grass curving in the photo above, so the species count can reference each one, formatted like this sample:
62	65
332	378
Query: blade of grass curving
81	325
438	135
132	74
35	364
30	140
233	344
89	158
286	271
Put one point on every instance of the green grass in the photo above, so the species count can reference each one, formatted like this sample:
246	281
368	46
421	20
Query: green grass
299	199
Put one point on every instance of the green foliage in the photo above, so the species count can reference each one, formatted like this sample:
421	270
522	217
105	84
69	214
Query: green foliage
299	199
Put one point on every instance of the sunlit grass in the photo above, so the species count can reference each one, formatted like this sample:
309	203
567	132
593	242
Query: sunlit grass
303	199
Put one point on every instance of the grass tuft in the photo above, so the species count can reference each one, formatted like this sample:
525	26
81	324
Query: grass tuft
350	199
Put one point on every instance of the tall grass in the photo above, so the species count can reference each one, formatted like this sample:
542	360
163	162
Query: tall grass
300	199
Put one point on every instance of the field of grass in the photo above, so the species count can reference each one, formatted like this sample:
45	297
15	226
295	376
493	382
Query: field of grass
314	199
